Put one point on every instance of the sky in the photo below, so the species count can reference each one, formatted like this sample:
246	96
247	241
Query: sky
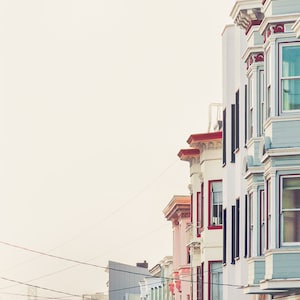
97	98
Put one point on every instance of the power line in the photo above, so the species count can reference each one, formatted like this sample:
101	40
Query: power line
40	287
142	190
90	264
75	265
36	296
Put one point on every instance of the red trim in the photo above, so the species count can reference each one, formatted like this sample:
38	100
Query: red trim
202	208
259	57
252	23
171	288
263	2
191	209
278	28
210	226
201	137
188	153
210	262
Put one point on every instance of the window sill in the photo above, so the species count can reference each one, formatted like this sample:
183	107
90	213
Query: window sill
214	227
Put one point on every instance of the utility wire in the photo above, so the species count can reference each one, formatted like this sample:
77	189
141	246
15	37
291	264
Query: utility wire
36	296
40	287
95	265
75	265
104	218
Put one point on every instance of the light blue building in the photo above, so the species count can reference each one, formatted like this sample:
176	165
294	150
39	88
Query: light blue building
261	154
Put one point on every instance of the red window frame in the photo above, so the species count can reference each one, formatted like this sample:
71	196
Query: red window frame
210	226
209	275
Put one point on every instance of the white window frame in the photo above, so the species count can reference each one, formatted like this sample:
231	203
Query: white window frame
282	78
261	97
282	177
268	73
251	97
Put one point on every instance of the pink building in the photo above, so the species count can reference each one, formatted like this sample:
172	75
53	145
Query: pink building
178	212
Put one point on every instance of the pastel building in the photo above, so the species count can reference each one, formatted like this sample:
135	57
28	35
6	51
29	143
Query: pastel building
261	151
178	212
123	282
156	286
204	233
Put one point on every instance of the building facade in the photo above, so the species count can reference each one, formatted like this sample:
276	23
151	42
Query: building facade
156	287
178	212
261	150
204	233
123	281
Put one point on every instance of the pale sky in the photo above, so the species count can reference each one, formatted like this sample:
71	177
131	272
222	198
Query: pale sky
96	99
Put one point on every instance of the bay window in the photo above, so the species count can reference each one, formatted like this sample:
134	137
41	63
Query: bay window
290	77
290	209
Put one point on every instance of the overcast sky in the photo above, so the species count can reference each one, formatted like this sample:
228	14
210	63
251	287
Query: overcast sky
96	99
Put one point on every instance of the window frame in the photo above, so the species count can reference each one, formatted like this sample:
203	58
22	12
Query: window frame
268	92
200	281
210	206
262	222
210	280
282	78
281	210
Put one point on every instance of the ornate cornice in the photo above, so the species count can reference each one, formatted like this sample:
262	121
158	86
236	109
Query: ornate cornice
247	13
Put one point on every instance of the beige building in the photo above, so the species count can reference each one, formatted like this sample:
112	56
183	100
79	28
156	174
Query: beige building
204	232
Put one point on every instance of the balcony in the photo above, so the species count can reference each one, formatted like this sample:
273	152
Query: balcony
191	237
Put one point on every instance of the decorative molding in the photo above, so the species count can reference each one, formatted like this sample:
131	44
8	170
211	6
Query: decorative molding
259	57
254	58
278	28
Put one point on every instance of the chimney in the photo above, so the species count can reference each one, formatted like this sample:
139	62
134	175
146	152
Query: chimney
142	265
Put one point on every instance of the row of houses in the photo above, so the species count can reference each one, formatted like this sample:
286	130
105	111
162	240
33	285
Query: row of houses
237	233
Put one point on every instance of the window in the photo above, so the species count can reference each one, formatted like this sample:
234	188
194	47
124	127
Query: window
224	137
290	209
191	209
200	282
246	114
237	228
215	283
215	203
224	235
268	214
268	74
251	222
246	227
200	209
262	217
237	120
290	77
251	108
232	234
261	102
232	133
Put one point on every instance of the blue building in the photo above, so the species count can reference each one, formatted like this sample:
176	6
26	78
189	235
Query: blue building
261	153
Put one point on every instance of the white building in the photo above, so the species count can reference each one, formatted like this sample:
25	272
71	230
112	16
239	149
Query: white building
204	234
